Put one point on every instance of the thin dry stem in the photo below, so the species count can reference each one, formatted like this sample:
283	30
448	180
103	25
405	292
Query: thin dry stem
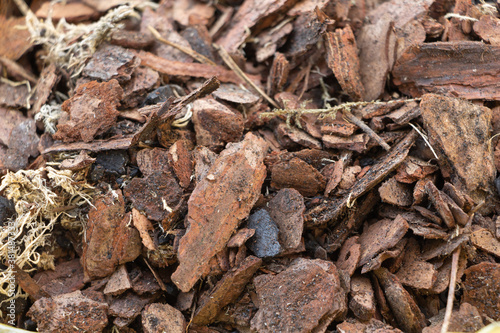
234	67
193	54
353	119
451	290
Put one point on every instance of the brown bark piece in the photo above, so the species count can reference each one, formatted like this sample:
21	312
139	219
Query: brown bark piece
180	160
142	80
233	183
342	54
484	240
10	119
69	313
375	42
215	124
459	132
144	226
306	296
287	210
255	15
164	24
416	273
439	249
393	253
355	143
127	307
177	68
131	39
92	111
381	235
270	40
118	283
437	199
65	278
413	169
335	177
48	78
29	285
299	175
338	127
362	302
240	237
159	317
153	160
488	29
448	71
119	143
226	291
232	93
349	255
482	288
295	135
13	41
23	138
80	162
157	194
329	211
144	283
278	74
109	240
395	193
12	96
111	62
373	326
466	319
406	312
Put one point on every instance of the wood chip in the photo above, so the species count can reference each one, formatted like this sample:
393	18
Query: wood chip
231	203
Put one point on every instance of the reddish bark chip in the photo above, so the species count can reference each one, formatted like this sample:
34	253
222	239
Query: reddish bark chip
71	312
287	210
343	59
13	41
413	169
181	162
484	240
285	133
447	70
437	199
127	307
118	283
158	317
488	29
131	39
414	272
467	319
355	142
240	237
111	62
299	175
157	195
92	111
482	288
48	78
142	81
251	14
226	291
403	306
82	161
396	193
65	278
215	124
362	301
373	326
306	296
349	255
232	93
153	160
380	236
233	185
109	240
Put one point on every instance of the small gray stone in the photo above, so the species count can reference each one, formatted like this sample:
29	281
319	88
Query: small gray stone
265	241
